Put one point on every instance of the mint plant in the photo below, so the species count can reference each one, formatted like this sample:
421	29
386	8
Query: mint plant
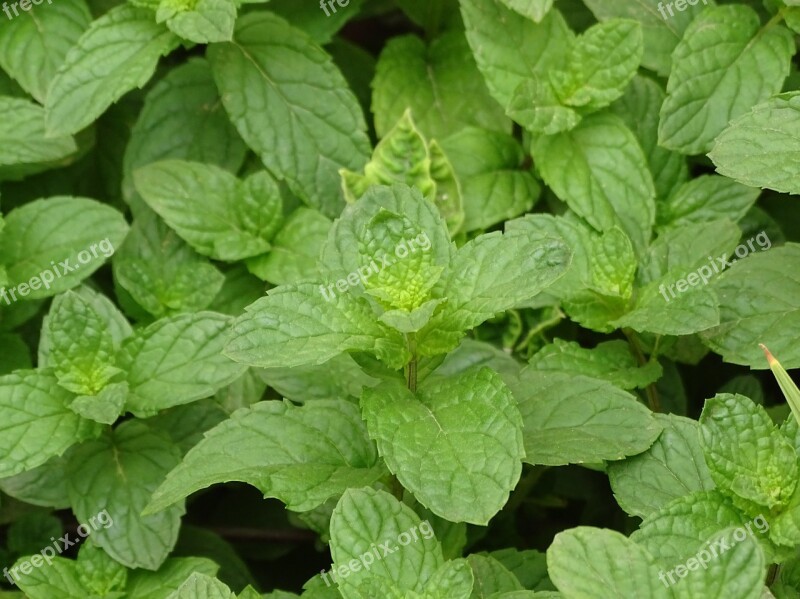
442	299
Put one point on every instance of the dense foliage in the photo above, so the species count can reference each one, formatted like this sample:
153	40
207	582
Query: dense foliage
406	299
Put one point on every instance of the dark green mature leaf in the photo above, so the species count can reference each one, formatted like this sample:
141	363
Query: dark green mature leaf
38	423
314	125
110	481
754	148
119	52
303	456
572	419
725	64
35	43
438	82
177	360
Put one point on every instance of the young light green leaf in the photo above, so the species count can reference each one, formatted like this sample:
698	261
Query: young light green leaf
571	419
491	577
490	274
469	422
725	64
298	324
162	274
104	407
303	456
746	454
602	62
51	245
754	148
510	48
536	106
672	467
217	214
600	171
117	473
38	423
313	127
438	82
81	349
609	360
143	584
119	52
33	45
201	21
177	360
494	186
758	304
366	521
596	563
787	385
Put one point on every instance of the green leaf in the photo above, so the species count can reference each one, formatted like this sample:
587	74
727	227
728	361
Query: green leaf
758	304
104	407
510	48
366	522
199	21
295	249
494	186
161	273
695	311
314	125
754	148
183	119
574	419
490	274
725	64
595	563
469	422
536	106
533	9
787	385
600	171
37	422
34	44
674	466
491	577
200	586
14	353
173	572
439	82
23	147
51	245
706	199
609	360
661	30
218	215
639	107
117	473
296	324
602	62
44	485
301	455
177	360
319	23
746	454
676	531
119	52
81	349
